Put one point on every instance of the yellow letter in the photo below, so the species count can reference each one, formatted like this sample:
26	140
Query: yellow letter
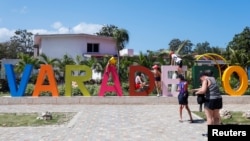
243	81
79	79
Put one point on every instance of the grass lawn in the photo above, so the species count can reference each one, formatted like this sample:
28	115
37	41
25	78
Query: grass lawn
4	94
30	119
237	118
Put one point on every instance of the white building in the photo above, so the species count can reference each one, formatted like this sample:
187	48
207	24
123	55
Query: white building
85	45
58	45
127	52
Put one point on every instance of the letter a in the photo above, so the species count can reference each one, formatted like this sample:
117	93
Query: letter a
52	87
110	88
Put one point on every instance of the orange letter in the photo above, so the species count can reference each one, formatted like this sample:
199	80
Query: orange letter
46	69
243	80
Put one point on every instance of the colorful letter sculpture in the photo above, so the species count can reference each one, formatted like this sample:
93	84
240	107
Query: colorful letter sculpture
46	70
243	81
147	72
116	87
169	81
14	90
79	79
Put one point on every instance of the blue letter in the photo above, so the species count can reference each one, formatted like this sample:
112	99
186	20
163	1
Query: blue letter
14	91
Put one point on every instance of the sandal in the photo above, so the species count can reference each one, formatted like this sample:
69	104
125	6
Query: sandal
204	134
191	121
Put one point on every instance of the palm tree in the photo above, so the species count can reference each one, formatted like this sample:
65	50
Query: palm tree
239	58
122	38
66	60
44	59
24	60
124	65
79	60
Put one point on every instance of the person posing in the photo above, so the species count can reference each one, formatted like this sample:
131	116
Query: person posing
111	64
183	97
157	75
176	60
213	102
139	83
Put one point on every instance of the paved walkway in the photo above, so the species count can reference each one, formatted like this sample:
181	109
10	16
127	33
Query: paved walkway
112	123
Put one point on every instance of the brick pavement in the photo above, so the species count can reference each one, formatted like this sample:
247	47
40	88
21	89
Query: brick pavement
104	122
111	123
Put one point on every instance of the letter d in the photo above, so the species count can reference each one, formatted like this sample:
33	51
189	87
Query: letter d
147	72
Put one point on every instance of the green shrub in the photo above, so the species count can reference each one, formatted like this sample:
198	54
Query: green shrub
29	90
45	93
93	89
61	90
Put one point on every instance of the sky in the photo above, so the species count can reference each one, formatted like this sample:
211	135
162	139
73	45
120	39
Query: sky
151	24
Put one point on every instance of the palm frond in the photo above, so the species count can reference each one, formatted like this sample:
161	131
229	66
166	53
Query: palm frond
181	46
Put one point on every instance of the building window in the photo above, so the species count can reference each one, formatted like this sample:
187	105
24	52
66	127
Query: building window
92	47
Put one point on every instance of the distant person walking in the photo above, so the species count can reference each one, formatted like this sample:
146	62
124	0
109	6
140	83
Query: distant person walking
183	97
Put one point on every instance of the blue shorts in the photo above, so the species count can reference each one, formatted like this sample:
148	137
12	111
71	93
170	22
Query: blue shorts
183	98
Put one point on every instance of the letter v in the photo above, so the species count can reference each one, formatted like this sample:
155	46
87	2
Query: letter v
14	90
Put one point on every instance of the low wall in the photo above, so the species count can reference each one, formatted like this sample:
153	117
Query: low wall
112	100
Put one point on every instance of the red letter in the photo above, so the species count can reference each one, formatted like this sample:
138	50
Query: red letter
110	88
146	71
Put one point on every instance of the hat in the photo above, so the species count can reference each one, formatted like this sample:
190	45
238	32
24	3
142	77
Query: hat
155	67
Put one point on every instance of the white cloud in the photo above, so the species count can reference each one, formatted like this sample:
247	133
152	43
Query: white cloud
79	28
87	28
41	31
5	34
57	25
63	30
58	28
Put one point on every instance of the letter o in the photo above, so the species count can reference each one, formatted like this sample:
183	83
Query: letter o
243	81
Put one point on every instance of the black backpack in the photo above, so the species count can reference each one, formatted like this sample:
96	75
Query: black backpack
201	99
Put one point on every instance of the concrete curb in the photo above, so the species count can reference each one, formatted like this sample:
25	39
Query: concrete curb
112	100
